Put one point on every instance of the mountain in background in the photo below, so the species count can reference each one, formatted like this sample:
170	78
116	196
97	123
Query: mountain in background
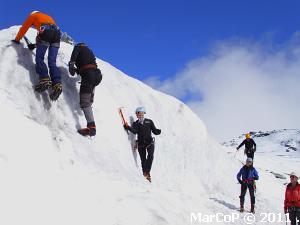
67	38
278	151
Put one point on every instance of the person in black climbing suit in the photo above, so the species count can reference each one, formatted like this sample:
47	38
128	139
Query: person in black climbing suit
250	146
143	128
91	76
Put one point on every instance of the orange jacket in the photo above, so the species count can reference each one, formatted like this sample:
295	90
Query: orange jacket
292	196
36	20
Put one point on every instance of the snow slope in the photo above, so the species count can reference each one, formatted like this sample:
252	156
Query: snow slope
278	151
51	175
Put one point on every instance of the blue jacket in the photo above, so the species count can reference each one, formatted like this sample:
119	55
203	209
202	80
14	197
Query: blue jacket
247	173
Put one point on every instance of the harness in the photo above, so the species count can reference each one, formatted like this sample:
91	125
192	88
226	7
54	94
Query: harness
294	208
48	27
249	150
45	27
250	181
87	67
151	143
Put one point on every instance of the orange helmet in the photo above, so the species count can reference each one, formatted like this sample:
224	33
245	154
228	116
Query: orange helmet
248	135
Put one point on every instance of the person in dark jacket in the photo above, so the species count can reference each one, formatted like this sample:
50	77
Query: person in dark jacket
91	76
143	128
249	175
48	38
292	199
250	146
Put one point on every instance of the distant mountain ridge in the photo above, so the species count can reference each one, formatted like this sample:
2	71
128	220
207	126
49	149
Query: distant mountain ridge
288	139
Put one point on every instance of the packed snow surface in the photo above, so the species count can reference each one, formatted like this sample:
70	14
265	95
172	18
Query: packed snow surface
51	175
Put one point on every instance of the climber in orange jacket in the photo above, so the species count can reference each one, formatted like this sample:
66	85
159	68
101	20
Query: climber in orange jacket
48	38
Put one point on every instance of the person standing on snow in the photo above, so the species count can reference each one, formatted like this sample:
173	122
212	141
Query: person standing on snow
292	199
48	38
249	175
143	128
250	146
91	76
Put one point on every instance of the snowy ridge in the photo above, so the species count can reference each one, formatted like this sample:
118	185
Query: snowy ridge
288	139
278	151
277	155
52	175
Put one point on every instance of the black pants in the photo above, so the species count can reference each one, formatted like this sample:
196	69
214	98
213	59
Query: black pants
146	154
250	154
294	215
243	193
89	80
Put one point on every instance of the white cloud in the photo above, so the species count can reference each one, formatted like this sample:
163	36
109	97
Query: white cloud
241	87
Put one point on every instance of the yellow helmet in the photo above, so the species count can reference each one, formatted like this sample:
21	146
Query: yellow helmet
248	135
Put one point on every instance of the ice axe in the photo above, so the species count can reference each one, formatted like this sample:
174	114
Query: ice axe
29	44
122	117
27	41
235	153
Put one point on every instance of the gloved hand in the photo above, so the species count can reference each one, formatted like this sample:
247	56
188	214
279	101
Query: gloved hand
72	69
31	46
15	42
158	131
126	127
237	148
241	182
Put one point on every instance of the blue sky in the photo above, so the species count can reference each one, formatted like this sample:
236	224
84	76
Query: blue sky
157	38
236	63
